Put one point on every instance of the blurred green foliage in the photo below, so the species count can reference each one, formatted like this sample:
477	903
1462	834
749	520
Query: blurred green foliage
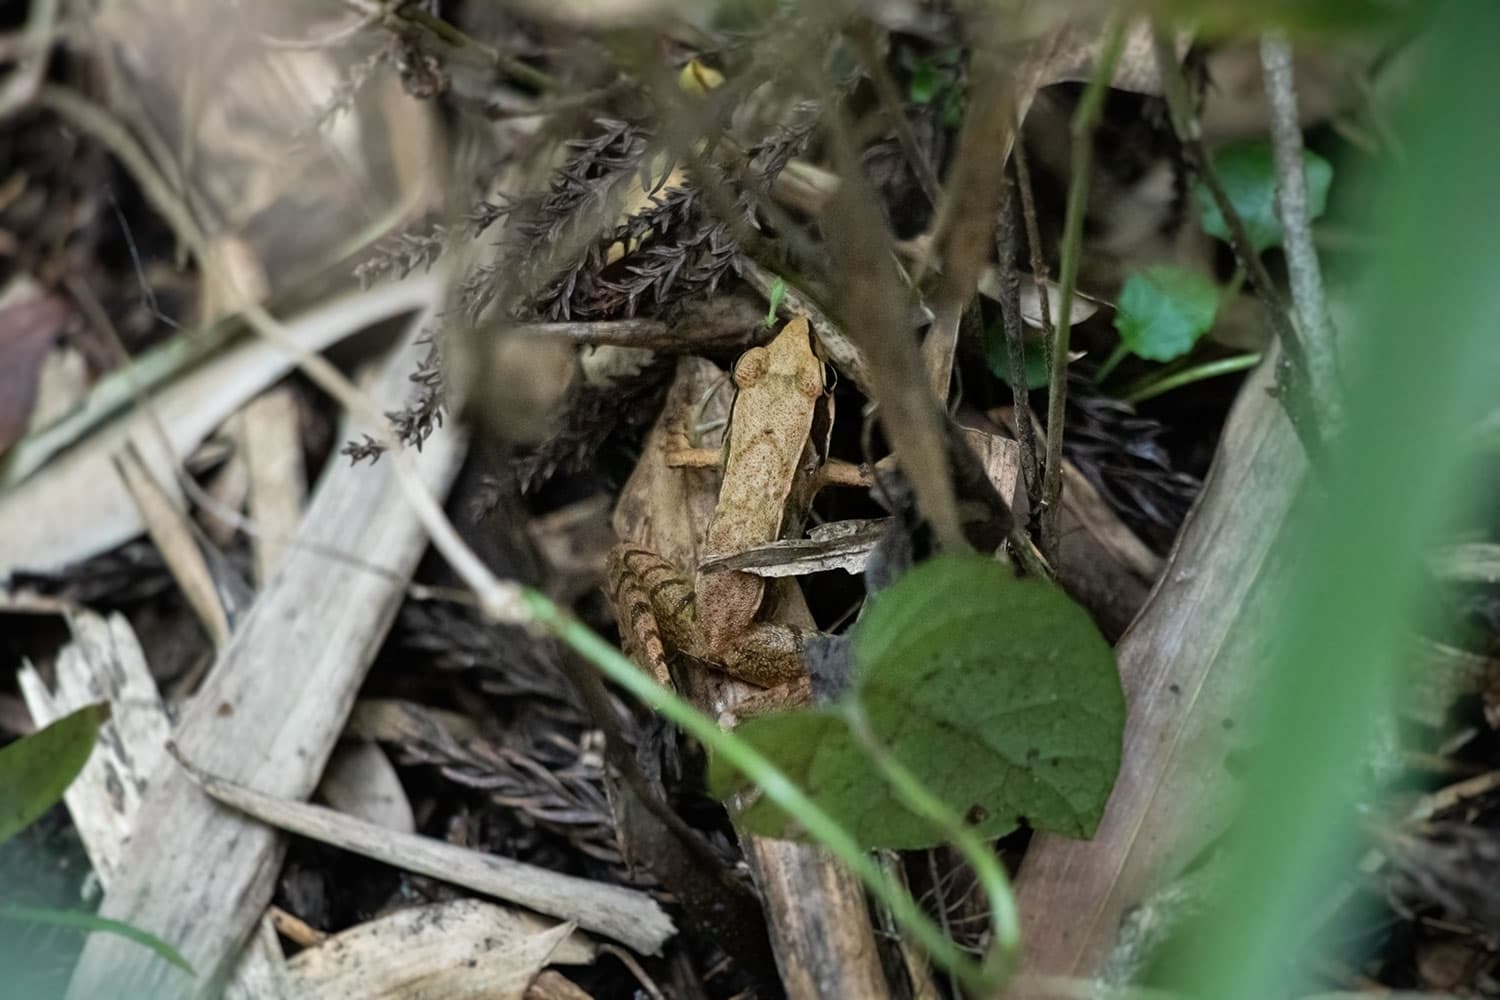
1248	172
1421	367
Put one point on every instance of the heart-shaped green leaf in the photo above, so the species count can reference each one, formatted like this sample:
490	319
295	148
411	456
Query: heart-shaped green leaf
35	770
998	693
1163	310
1247	170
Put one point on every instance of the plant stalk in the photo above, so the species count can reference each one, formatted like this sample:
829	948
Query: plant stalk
1084	120
1305	275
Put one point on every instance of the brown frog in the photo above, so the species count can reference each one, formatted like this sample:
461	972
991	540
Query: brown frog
711	616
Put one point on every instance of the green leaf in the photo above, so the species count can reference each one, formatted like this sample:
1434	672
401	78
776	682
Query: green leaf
924	83
1163	310
996	353
998	693
1247	170
35	770
934	79
778	293
90	922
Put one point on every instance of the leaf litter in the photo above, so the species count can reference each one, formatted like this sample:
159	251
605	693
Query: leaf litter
793	193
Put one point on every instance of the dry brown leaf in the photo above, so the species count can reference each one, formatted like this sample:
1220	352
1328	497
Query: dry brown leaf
295	157
465	950
1234	104
665	507
28	326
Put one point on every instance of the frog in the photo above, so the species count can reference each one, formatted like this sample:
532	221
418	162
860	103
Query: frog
714	616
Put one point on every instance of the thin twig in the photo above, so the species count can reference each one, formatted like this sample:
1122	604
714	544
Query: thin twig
1010	318
1084	119
940	904
1291	207
508	65
628	960
1292	384
1039	272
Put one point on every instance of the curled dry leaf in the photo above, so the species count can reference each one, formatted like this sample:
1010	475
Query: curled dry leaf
844	545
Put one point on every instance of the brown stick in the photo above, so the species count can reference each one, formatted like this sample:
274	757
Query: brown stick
1293	383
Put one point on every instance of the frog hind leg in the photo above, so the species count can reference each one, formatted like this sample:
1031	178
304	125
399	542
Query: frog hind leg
642	586
767	654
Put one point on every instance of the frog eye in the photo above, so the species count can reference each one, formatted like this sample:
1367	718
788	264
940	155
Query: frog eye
752	366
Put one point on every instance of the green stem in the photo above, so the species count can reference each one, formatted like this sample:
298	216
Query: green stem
1111	363
777	787
1084	120
1236	282
1151	388
1005	921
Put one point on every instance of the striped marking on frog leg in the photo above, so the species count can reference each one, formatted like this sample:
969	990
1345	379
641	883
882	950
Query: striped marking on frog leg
649	597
